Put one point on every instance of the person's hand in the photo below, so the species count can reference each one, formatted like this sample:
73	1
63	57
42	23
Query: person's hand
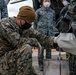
49	41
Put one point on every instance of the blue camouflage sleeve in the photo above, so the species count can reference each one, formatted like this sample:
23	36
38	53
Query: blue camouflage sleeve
4	12
54	19
36	19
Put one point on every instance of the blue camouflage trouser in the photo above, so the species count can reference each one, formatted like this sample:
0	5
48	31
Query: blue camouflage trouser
41	56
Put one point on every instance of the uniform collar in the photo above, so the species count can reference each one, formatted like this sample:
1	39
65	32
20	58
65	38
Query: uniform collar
14	20
44	8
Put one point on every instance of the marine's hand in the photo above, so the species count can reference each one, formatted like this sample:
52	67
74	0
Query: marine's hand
49	42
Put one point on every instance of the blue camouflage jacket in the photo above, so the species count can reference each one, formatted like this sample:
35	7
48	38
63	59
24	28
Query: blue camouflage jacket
45	21
3	9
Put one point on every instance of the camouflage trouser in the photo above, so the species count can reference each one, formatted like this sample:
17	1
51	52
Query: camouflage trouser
41	56
17	62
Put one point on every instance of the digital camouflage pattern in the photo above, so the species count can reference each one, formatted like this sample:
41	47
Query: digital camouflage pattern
45	21
17	62
3	9
15	47
45	24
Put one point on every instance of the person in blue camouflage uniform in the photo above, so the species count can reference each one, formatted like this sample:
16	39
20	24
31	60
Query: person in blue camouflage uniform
3	9
44	23
15	44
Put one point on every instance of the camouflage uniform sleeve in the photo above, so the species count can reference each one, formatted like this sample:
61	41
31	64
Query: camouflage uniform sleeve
4	12
11	36
43	39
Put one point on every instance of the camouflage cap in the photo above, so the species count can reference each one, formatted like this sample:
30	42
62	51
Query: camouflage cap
26	13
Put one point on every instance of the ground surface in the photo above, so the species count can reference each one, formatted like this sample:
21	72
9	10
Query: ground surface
55	54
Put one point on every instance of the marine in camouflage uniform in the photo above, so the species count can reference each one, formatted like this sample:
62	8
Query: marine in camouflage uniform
44	23
15	44
3	9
